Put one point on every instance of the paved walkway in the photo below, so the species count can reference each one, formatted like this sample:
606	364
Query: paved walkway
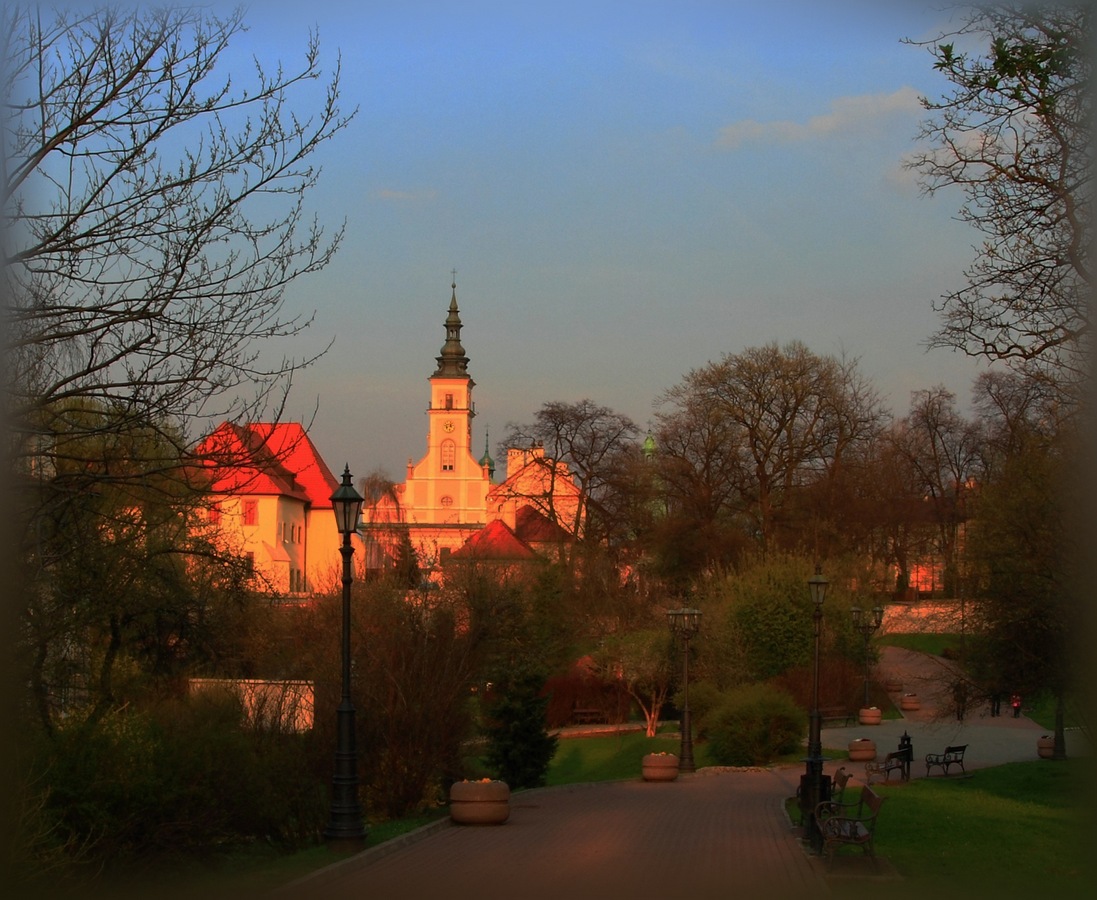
694	837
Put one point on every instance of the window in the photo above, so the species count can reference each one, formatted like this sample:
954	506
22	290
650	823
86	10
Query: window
447	501
449	455
215	512
249	562
251	512
449	401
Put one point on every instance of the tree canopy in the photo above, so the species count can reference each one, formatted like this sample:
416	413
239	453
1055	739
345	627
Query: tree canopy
1014	135
154	214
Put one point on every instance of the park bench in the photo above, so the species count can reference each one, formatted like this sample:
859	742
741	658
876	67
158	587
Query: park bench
587	716
849	824
953	756
893	762
838	785
837	788
836	714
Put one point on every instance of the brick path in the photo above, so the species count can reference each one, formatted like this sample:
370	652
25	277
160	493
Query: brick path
694	837
716	833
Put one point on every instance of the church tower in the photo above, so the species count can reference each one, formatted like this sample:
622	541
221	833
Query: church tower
443	502
451	409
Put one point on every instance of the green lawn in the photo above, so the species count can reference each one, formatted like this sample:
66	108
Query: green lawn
933	644
1022	829
611	758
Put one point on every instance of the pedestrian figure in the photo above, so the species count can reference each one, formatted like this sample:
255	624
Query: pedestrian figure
1015	702
996	703
959	696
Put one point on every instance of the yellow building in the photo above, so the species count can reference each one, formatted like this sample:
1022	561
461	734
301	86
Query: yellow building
449	496
270	502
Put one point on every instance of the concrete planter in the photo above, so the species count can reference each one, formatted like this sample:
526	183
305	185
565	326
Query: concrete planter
910	702
893	685
479	802
659	767
862	750
1045	746
870	715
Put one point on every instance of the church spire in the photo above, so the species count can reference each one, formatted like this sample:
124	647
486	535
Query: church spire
453	363
486	461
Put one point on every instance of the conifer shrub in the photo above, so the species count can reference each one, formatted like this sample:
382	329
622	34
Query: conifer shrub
754	725
519	745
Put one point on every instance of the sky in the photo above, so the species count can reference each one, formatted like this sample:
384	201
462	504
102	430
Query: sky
627	191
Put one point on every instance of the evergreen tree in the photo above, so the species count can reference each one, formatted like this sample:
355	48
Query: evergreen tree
520	747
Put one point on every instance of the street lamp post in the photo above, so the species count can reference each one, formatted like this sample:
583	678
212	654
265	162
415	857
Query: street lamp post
868	625
684	624
812	787
345	825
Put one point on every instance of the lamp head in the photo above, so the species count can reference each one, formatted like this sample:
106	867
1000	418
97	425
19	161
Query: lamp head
817	584
684	622
347	503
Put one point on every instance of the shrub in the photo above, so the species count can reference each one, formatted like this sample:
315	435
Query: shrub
755	724
704	698
519	746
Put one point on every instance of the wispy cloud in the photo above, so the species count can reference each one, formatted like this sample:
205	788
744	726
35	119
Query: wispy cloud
847	115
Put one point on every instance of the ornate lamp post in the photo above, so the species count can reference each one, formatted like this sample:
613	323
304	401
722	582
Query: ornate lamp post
811	788
345	825
868	625
683	625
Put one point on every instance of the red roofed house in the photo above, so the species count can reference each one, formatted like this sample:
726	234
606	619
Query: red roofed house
271	502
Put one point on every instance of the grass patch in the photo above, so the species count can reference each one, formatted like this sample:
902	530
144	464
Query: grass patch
933	644
1013	830
612	757
257	871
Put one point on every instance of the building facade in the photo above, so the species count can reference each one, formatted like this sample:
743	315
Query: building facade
449	495
270	502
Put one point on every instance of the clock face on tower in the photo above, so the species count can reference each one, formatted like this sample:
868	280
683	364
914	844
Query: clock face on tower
448	425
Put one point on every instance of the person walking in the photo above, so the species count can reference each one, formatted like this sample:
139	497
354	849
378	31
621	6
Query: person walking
1015	702
995	703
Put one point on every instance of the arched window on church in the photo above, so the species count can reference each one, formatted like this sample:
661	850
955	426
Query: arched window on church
449	455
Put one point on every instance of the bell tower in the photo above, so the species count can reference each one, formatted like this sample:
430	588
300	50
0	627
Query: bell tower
451	409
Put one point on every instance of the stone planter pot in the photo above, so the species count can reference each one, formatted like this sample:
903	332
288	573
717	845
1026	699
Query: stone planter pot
659	767
479	802
870	715
893	686
862	750
910	702
1045	747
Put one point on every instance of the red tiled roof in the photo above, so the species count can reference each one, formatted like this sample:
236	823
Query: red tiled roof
267	458
533	527
494	541
297	453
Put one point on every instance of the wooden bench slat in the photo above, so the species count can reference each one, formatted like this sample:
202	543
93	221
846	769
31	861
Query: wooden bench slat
953	756
852	824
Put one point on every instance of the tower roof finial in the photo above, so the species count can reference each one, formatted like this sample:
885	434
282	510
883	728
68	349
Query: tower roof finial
453	362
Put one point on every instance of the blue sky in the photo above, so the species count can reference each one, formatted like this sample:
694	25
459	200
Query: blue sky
627	191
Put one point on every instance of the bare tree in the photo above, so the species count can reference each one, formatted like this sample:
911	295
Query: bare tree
944	451
154	215
590	439
1015	135
788	418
